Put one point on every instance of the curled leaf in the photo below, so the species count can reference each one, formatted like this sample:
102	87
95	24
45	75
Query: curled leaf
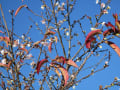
107	32
19	9
50	46
91	34
6	40
63	71
71	62
39	64
113	46
23	49
109	24
88	43
49	33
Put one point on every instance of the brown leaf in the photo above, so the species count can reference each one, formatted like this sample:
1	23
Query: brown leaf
39	64
91	34
18	9
50	46
71	62
113	46
64	72
88	43
49	33
107	32
23	49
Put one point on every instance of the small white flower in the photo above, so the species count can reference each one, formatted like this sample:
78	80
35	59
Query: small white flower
28	44
42	7
97	1
10	70
44	43
23	37
73	87
102	5
28	56
63	4
72	76
57	3
100	46
92	29
2	51
67	33
4	61
106	62
32	63
43	22
103	23
105	11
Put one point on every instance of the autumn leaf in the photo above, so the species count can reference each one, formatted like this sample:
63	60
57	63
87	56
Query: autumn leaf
60	59
88	43
58	73
107	32
6	40
49	33
71	62
56	39
39	64
63	71
3	65
23	49
91	34
50	46
19	9
113	46
109	24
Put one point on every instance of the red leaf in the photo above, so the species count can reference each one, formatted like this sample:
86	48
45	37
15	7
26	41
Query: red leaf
39	64
3	65
24	50
107	32
88	43
71	62
64	72
60	59
49	33
50	46
19	9
115	16
91	34
109	24
6	40
113	46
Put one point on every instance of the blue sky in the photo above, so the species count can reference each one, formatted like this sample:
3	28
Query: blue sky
82	7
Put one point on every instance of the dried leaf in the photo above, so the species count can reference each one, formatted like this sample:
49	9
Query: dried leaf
71	62
107	32
114	46
88	43
109	24
3	65
58	73
56	39
39	64
49	33
23	49
20	7
64	72
91	34
50	46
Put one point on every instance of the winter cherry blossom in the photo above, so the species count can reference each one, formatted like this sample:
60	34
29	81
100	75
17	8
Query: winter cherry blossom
102	5
4	61
97	1
42	7
67	33
105	11
92	28
43	22
103	23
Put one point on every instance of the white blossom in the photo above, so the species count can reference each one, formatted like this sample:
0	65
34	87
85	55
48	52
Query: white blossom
42	7
67	33
32	63
103	23
97	1
92	28
4	61
102	5
2	51
43	22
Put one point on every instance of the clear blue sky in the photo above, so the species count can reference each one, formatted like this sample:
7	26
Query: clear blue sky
82	7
